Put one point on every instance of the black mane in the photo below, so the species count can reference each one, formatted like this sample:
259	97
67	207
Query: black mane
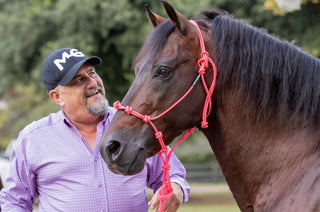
281	79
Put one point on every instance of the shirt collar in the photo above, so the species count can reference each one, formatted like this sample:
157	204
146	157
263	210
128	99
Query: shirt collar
69	123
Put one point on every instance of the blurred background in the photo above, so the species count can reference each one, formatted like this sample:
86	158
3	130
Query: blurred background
115	30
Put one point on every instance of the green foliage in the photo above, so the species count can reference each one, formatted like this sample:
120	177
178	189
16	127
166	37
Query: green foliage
195	149
300	26
26	104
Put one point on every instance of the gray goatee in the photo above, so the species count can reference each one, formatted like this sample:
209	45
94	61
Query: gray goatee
100	106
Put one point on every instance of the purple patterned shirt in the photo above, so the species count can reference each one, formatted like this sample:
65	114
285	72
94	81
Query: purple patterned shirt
52	161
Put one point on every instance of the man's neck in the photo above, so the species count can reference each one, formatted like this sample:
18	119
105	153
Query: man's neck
87	127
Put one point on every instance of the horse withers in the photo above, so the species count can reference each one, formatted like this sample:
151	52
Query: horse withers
264	125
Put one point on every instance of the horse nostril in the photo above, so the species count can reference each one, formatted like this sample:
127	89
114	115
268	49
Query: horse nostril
114	147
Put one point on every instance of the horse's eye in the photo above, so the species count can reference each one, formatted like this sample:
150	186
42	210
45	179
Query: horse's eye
163	72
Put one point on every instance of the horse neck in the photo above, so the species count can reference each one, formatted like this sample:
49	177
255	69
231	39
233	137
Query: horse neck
254	154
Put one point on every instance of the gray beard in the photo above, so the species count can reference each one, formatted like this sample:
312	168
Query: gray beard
100	108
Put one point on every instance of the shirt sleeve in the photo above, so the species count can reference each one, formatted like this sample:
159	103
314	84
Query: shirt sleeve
177	174
19	191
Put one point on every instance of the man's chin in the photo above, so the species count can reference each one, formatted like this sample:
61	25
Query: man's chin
98	108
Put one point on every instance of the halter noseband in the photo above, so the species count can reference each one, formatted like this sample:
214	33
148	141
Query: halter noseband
203	63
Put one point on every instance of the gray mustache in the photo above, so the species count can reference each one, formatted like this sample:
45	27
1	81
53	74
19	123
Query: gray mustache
94	90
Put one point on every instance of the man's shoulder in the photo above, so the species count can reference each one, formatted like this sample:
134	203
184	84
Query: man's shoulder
44	122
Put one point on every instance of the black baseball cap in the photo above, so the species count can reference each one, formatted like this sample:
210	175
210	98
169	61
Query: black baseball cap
61	66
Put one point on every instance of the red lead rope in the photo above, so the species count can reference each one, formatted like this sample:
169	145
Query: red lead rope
165	191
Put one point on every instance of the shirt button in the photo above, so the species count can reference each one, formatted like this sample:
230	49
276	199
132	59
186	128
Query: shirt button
99	185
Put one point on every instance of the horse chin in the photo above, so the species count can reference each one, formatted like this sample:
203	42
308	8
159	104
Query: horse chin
134	168
137	165
131	168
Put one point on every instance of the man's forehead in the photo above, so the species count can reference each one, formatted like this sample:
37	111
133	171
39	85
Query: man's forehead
85	68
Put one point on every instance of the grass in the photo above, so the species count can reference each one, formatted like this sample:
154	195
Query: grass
209	207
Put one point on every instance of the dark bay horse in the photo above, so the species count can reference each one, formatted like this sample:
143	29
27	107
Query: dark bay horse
264	125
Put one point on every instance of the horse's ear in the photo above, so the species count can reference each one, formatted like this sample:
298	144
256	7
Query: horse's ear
176	18
154	18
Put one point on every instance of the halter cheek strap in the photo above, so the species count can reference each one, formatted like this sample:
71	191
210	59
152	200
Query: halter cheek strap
165	191
203	64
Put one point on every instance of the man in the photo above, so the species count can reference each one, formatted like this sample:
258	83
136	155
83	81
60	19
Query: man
57	158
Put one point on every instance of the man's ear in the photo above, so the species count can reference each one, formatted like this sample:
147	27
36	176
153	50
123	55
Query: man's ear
55	95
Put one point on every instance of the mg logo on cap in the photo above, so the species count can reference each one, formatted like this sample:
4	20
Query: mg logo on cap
65	56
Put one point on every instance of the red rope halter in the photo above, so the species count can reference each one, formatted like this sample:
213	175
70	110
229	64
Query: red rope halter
165	191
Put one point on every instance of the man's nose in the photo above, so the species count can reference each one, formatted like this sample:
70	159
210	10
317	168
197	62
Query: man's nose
92	81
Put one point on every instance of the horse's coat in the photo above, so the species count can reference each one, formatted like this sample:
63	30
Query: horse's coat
264	125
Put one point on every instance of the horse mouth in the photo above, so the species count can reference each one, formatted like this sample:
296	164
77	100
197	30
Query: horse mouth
136	166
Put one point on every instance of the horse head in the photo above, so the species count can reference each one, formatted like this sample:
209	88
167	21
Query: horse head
165	68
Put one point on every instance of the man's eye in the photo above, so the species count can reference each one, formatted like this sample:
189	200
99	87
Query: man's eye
78	81
92	74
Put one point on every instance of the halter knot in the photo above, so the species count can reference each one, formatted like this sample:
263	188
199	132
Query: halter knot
158	134
202	71
117	105
164	149
166	167
128	110
204	124
146	118
204	54
203	61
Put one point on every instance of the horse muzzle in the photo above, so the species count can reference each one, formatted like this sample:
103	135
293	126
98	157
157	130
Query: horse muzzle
121	155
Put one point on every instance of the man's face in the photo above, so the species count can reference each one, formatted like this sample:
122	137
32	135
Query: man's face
85	93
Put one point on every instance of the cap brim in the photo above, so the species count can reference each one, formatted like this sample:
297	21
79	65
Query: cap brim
94	60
